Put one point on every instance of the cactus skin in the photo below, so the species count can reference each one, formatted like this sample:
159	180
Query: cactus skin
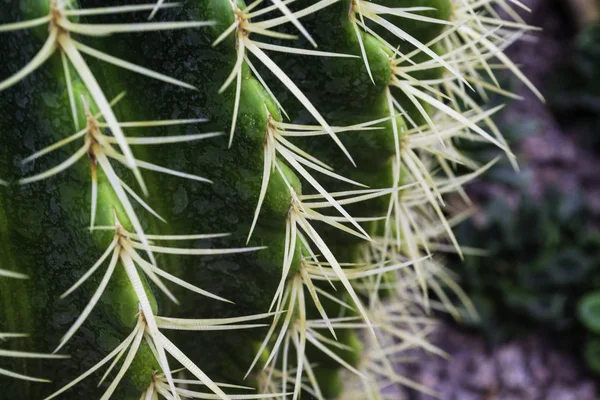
43	233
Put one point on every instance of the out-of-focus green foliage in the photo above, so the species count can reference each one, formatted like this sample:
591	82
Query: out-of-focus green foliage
575	91
541	271
589	311
592	354
589	315
541	268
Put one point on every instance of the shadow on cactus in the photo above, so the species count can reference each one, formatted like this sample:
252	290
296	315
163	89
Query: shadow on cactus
279	243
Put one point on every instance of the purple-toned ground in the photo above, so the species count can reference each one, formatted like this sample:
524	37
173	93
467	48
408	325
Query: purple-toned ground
552	154
523	369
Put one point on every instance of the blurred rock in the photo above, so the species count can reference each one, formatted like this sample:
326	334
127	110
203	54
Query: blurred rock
512	368
524	369
484	375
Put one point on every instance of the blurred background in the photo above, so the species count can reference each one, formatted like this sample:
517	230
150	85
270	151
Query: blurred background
537	286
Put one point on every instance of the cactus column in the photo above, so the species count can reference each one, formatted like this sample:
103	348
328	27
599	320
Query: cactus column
211	170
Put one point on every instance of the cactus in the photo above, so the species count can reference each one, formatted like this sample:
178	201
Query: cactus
20	354
291	199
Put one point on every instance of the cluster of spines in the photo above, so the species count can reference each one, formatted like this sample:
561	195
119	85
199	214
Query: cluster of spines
413	224
474	35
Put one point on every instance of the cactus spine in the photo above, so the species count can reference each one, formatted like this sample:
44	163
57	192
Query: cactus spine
317	185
